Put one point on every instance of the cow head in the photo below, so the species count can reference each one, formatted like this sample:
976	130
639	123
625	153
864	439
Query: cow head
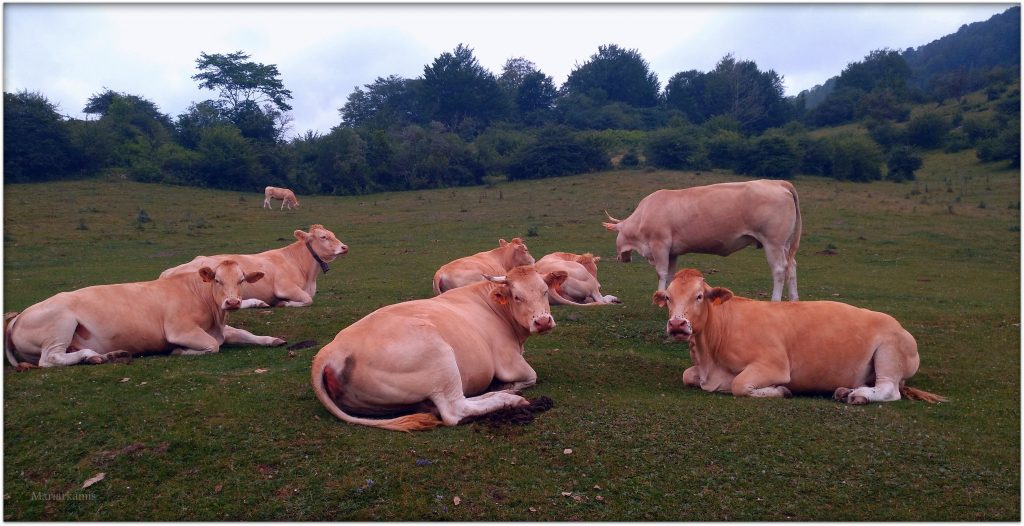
623	243
517	253
525	292
688	299
322	242
227	279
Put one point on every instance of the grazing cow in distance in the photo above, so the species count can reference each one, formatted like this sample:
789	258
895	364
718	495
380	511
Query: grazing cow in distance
286	196
290	272
716	219
437	357
494	262
183	314
767	349
581	287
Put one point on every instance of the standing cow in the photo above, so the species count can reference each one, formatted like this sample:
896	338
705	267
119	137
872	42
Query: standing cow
286	196
494	262
764	349
184	314
715	219
437	357
290	272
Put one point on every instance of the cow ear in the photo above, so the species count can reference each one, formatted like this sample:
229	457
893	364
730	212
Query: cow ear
660	298
254	277
555	278
500	295
502	242
517	241
611	227
300	235
719	295
207	274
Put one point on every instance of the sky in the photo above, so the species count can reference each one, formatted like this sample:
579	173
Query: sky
69	52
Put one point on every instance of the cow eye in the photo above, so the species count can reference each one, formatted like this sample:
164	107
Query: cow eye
216	280
700	296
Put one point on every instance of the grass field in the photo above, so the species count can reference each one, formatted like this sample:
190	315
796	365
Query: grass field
208	438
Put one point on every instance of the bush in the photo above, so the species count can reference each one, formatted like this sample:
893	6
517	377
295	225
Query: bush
1004	146
228	160
726	149
37	145
815	156
557	151
927	130
902	164
676	149
774	157
856	158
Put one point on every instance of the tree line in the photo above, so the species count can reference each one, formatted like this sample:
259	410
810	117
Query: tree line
460	124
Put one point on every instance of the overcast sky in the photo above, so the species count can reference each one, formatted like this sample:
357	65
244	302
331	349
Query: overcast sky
323	51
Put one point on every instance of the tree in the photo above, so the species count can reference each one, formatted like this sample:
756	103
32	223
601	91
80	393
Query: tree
902	164
753	97
676	149
390	101
37	145
250	94
456	88
622	74
927	130
686	92
239	81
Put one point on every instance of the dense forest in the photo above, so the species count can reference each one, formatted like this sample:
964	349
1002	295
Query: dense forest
460	124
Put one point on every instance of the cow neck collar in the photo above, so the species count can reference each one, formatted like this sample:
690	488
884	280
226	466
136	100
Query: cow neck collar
323	265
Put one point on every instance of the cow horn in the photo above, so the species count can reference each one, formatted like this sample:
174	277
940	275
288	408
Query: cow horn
495	279
612	219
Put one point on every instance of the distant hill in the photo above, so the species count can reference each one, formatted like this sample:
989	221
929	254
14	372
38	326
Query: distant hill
974	48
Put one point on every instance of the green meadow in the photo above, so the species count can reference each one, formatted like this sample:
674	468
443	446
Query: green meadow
208	438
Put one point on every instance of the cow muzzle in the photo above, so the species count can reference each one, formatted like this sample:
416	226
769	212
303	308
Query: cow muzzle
341	251
679	328
624	257
542	324
232	304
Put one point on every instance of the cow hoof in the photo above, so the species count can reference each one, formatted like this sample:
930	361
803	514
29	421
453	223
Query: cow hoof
841	394
24	366
786	393
858	400
277	342
119	357
96	360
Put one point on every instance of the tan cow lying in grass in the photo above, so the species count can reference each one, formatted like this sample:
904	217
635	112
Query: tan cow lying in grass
437	357
286	196
765	349
184	314
289	273
471	269
581	287
715	219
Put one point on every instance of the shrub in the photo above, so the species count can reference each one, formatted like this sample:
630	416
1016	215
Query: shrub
902	164
927	130
774	157
557	151
855	158
676	149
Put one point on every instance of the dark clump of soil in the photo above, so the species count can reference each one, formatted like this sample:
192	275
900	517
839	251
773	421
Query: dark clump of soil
305	344
517	416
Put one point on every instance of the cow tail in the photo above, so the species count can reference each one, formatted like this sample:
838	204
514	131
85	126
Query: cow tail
438	284
323	373
911	393
794	239
9	349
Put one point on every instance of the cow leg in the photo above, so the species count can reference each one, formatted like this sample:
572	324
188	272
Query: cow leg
791	279
893	361
233	335
455	407
664	264
517	373
266	203
59	332
57	355
192	341
294	297
691	377
762	381
777	262
254	304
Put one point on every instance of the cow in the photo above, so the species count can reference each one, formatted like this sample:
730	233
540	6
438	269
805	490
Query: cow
581	287
715	219
765	349
494	262
184	314
437	357
286	196
289	272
